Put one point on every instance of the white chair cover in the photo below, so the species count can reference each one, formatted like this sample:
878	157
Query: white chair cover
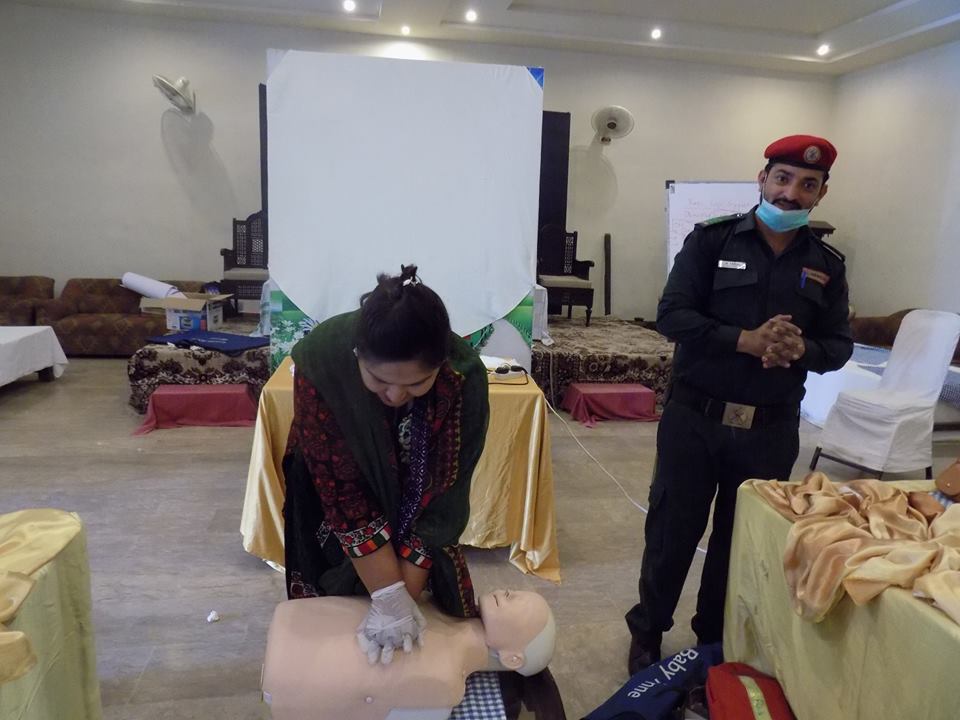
890	428
822	390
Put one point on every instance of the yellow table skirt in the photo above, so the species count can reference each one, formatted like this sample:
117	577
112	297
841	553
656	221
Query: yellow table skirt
511	498
892	658
46	636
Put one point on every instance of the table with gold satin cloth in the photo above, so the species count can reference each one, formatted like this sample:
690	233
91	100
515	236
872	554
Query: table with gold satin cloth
48	666
511	498
891	658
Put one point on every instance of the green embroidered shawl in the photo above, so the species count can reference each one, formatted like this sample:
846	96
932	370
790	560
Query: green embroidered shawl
326	359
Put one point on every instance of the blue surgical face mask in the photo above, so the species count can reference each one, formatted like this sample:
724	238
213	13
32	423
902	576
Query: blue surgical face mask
780	220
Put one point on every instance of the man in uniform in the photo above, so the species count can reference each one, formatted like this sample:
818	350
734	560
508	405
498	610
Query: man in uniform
754	301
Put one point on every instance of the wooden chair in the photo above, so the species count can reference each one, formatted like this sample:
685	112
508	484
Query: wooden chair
570	283
245	264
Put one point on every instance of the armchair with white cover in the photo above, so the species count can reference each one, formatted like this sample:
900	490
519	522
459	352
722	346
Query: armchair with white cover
890	428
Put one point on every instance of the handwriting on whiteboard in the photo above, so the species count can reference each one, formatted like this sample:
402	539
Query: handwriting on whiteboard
691	202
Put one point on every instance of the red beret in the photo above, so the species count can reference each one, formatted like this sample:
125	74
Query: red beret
803	151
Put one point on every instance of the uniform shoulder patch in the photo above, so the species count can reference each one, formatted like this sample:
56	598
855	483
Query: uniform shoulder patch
832	250
719	219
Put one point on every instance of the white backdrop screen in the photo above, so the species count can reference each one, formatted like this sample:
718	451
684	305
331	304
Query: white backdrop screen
375	162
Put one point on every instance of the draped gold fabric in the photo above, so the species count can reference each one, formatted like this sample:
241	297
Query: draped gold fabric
887	659
862	537
47	658
511	497
29	539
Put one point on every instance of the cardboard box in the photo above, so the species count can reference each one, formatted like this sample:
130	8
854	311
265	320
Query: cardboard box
193	311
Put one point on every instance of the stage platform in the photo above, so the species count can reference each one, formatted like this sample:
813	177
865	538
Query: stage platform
611	350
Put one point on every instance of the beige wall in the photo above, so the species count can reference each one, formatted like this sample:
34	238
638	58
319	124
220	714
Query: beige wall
895	196
98	177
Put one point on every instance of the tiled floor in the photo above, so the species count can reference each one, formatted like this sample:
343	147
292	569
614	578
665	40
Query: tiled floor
162	513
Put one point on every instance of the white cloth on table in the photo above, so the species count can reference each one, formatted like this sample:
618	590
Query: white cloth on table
951	388
822	390
25	350
890	428
862	372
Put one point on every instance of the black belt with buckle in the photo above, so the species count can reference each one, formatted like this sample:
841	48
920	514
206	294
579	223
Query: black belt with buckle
732	414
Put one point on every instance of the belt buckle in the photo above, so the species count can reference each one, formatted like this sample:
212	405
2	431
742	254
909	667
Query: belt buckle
738	416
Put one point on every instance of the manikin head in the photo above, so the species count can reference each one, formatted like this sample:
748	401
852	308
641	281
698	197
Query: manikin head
402	338
948	482
519	629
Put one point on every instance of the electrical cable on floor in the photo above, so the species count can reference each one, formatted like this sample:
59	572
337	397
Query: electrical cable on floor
633	502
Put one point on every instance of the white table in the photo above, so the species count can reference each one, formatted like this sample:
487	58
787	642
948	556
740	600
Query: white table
25	350
892	658
822	390
511	496
45	550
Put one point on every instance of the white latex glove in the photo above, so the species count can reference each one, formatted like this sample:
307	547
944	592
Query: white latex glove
394	621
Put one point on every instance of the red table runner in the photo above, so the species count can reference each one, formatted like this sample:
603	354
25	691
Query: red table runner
176	405
590	402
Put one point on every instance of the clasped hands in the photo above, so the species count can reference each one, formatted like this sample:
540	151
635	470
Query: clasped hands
778	342
393	622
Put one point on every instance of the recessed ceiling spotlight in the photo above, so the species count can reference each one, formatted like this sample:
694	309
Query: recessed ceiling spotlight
823	50
471	15
405	30
349	5
656	33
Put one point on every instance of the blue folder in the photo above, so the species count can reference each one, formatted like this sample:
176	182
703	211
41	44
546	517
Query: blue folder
227	343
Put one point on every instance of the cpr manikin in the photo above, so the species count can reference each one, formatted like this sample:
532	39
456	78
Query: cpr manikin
314	670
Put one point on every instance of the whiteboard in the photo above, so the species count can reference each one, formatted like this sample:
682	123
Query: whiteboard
691	202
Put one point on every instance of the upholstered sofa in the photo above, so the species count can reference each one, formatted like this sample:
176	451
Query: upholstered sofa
881	331
19	297
97	316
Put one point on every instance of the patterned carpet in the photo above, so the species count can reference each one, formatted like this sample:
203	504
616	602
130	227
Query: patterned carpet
610	351
154	365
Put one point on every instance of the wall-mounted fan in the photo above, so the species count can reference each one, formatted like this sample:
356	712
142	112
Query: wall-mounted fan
178	92
612	122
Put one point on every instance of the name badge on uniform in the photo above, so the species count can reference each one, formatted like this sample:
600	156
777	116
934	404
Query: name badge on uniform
818	276
732	265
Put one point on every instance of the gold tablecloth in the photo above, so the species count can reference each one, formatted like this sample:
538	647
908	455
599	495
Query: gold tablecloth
511	499
891	658
48	666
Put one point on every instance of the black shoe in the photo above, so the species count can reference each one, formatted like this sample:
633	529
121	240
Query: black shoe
644	652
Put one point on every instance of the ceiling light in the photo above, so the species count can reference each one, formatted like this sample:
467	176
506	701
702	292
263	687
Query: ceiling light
405	30
823	50
656	33
349	5
471	15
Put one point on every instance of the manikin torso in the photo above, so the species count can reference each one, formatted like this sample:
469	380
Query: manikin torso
314	669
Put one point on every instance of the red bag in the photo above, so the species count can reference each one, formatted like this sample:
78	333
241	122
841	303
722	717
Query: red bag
738	692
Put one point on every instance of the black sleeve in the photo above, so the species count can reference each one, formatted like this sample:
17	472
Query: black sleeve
681	312
830	343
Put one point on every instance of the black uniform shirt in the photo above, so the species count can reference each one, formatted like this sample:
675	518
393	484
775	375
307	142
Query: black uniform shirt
727	279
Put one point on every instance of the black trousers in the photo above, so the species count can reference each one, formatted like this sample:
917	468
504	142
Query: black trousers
699	460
